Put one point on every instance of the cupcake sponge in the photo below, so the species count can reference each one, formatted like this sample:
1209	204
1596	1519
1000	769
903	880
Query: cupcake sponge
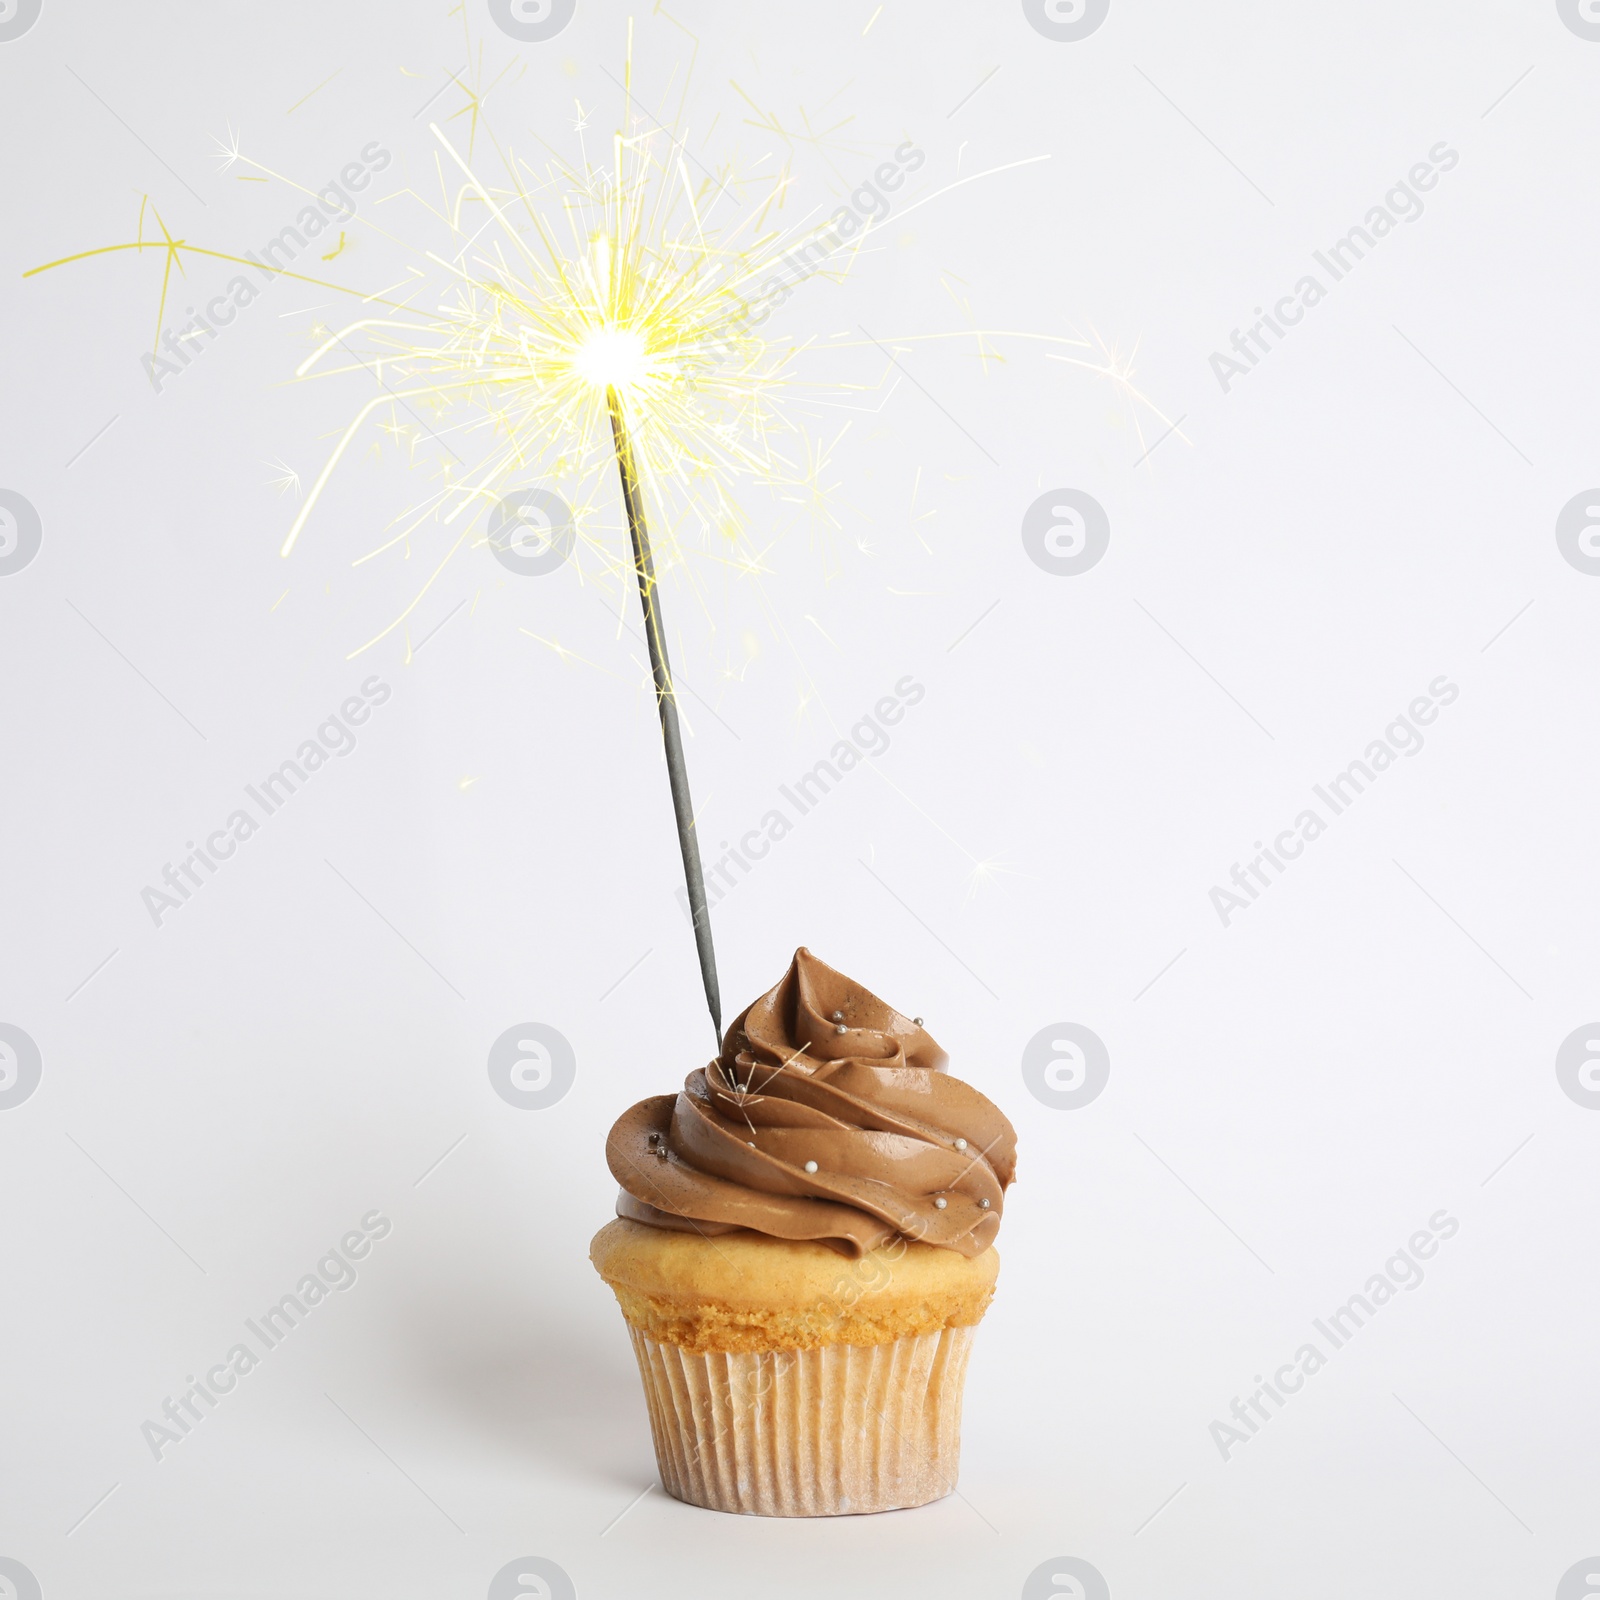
745	1292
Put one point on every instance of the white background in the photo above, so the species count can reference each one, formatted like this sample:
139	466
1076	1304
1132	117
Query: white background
1289	1100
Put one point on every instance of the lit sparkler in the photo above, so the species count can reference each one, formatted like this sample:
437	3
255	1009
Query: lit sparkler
581	316
622	331
591	316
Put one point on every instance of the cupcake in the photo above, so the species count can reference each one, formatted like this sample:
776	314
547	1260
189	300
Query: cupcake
803	1249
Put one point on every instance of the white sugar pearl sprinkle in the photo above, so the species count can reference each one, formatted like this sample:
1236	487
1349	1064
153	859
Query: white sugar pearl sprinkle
838	1016
940	1203
840	1028
984	1204
961	1144
811	1166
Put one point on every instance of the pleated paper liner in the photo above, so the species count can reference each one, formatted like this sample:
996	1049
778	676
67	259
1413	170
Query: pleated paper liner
825	1432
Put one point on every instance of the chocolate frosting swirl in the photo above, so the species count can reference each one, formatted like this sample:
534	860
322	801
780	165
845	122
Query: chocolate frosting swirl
828	1116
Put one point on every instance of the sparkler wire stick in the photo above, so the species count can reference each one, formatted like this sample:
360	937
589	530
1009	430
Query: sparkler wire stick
644	570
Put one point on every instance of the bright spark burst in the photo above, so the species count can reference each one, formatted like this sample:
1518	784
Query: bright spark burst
286	479
564	286
553	286
1118	371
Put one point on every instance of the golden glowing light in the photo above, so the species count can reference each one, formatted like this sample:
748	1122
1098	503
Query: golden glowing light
566	285
548	287
615	358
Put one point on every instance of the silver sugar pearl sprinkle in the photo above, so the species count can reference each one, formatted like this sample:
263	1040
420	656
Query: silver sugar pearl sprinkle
984	1204
841	1029
752	1144
961	1144
811	1166
917	1021
940	1203
838	1016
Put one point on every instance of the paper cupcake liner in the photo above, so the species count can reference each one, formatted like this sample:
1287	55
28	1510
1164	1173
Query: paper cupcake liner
808	1433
